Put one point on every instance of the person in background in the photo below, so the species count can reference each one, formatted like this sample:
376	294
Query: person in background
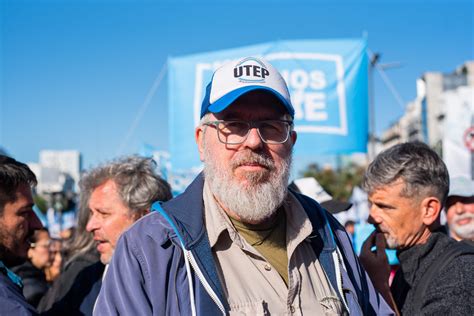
81	252
350	228
407	186
32	270
117	194
54	269
460	208
18	223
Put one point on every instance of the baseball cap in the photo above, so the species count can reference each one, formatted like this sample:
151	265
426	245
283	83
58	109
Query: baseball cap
311	187
461	186
236	78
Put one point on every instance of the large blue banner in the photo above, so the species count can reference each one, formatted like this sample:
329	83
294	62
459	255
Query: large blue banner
327	80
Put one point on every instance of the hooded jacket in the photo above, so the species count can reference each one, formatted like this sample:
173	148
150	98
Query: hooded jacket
163	265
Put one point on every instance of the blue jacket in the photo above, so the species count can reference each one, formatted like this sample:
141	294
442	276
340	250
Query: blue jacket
163	265
12	301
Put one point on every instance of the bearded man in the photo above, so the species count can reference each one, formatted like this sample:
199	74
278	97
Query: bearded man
237	241
460	208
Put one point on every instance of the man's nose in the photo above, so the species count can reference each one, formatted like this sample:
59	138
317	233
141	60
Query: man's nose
92	224
253	139
34	222
373	215
371	220
459	207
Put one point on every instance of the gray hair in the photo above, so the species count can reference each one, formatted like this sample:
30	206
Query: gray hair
138	185
82	242
137	182
13	174
421	169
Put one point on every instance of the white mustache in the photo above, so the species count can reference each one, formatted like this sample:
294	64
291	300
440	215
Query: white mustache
252	157
461	217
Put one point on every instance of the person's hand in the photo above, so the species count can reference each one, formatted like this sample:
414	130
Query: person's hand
377	267
376	262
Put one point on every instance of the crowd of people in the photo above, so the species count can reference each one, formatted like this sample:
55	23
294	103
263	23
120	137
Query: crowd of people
238	241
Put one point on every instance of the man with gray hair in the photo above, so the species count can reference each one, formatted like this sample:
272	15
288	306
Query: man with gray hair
120	193
237	241
117	194
407	187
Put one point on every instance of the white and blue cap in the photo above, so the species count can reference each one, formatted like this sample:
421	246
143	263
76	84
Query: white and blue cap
234	79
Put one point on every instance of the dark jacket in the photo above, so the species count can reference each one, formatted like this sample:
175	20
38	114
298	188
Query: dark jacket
34	281
12	301
164	262
451	292
81	297
62	285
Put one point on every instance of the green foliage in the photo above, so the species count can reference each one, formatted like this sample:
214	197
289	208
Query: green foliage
41	203
338	183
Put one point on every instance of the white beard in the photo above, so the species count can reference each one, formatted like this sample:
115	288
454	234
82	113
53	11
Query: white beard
463	231
264	192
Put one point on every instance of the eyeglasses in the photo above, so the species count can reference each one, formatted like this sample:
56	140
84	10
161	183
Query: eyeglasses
236	132
46	245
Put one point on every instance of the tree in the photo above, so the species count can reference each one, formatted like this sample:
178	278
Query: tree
338	183
41	203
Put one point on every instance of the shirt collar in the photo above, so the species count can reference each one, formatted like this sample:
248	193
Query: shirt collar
215	219
10	274
298	224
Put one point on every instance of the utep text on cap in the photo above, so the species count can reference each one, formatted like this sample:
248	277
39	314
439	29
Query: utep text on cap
237	78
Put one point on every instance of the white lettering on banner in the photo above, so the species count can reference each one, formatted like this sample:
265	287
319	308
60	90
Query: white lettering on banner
318	80
309	105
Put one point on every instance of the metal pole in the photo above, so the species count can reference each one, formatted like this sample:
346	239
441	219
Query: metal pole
373	61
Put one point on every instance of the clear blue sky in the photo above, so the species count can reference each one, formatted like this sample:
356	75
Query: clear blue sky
74	74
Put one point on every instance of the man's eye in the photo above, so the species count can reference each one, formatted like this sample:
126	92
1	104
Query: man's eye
234	127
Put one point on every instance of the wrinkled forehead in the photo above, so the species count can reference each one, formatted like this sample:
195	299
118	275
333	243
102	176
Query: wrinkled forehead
254	105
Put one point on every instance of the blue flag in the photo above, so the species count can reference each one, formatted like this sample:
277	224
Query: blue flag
327	80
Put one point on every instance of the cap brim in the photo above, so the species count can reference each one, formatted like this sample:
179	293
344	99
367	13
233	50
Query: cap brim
222	103
334	206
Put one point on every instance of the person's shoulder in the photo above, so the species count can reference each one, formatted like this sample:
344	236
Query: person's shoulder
459	268
11	301
152	226
15	307
463	259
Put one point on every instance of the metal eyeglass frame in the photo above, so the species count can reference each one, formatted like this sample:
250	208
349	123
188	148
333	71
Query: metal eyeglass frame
251	124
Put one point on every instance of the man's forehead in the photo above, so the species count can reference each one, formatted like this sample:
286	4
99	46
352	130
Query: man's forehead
388	188
24	193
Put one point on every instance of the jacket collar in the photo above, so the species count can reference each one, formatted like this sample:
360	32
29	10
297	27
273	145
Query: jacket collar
186	212
10	274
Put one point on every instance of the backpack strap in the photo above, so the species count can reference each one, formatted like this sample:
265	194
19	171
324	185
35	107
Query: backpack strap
458	249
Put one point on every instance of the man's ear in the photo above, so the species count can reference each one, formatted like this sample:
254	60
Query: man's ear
431	207
293	137
199	137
